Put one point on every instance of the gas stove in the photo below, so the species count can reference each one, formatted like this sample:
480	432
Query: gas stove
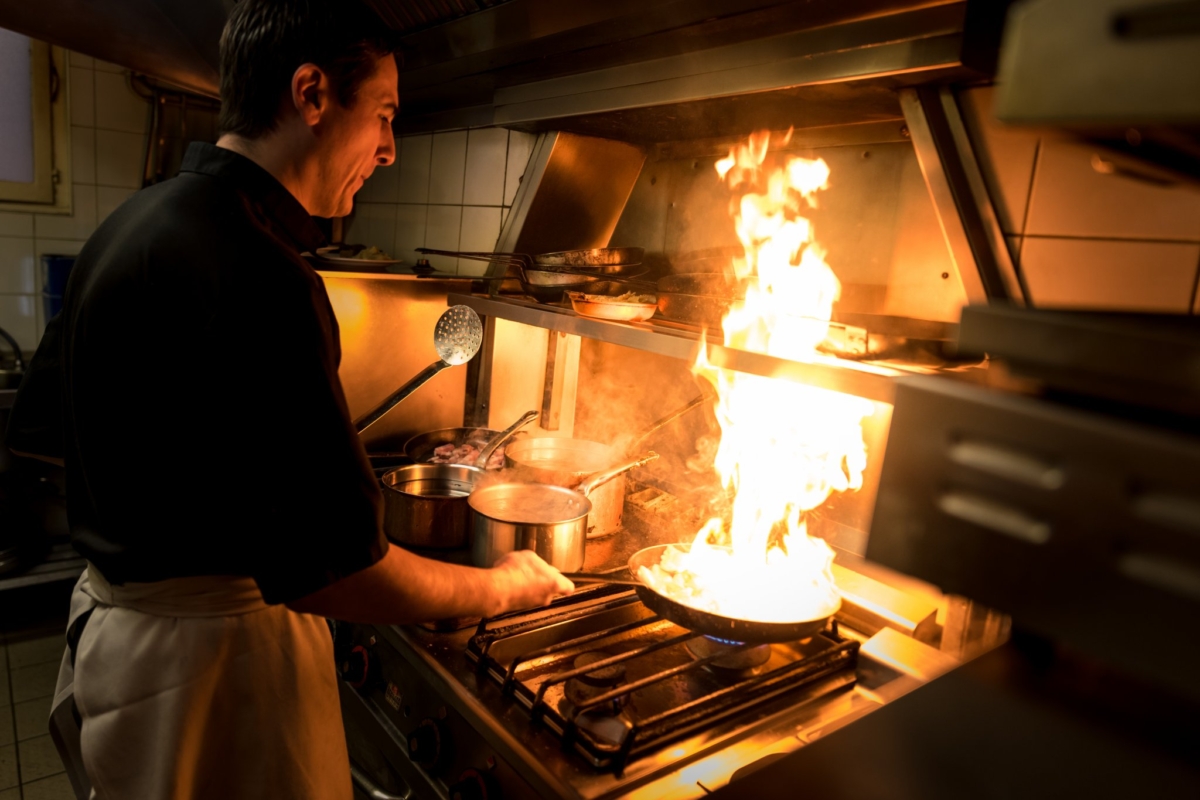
595	696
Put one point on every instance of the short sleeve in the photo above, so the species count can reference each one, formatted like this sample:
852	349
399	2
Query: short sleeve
323	507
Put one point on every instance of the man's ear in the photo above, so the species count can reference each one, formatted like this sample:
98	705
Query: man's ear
310	92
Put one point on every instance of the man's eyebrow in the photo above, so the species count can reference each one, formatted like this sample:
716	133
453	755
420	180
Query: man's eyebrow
390	106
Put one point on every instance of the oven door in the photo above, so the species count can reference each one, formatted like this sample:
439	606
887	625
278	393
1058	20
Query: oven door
379	764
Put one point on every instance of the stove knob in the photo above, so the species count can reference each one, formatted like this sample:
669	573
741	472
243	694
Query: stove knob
356	668
425	744
475	785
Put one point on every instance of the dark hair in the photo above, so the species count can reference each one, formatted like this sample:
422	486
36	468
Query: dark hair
265	41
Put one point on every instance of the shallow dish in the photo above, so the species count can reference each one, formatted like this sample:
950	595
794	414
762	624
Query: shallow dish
611	309
324	255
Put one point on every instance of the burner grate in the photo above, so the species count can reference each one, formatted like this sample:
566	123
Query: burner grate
671	693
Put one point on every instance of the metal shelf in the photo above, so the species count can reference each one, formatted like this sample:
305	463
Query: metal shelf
871	381
62	563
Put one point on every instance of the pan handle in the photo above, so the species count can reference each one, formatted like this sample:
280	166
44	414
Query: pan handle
707	395
592	577
504	436
595	480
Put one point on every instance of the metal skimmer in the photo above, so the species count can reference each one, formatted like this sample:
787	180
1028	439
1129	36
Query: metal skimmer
456	337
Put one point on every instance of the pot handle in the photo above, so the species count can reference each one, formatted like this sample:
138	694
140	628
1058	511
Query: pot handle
598	479
707	395
504	436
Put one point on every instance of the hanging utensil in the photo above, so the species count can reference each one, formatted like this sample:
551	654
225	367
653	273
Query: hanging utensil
456	337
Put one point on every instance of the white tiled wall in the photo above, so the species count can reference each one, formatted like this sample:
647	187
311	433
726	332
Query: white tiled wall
448	191
1083	239
108	130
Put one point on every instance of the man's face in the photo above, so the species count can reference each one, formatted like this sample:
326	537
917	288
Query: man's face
357	139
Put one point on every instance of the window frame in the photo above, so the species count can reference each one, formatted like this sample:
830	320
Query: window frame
50	191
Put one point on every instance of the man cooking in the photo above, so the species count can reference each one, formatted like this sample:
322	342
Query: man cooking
216	484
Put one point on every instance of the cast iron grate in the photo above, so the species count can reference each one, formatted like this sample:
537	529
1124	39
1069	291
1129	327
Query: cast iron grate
667	693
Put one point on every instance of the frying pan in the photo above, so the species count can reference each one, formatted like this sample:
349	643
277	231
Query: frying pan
705	622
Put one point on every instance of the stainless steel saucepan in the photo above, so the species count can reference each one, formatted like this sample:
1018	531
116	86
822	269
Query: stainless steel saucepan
425	505
568	462
549	520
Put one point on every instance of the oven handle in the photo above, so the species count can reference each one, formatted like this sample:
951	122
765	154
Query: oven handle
364	782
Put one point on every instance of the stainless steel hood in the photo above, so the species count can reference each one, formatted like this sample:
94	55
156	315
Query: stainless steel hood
168	39
685	70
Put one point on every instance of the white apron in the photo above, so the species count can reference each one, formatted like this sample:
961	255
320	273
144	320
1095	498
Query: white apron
195	688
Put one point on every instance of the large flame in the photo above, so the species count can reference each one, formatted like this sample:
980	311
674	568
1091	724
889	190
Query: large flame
785	446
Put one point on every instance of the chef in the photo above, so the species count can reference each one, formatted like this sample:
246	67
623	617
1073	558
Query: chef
215	482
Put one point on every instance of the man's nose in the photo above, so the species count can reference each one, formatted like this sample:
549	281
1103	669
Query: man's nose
386	154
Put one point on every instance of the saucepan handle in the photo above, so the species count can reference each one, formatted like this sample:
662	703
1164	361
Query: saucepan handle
504	436
598	479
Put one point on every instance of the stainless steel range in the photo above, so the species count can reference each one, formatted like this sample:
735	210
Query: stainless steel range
597	697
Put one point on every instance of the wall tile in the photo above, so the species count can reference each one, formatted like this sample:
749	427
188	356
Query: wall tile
447	166
520	148
119	158
107	200
57	247
410	231
15	224
414	155
80	60
1071	199
83	96
480	230
374	225
18	316
1126	276
382	187
79	224
83	154
118	108
1006	156
441	232
487	150
18	273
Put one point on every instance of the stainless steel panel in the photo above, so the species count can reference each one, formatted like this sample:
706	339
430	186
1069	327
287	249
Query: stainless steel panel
1098	567
584	184
387	337
1072	61
1006	155
875	220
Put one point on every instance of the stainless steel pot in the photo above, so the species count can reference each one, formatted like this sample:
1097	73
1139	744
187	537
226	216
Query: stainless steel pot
425	505
567	462
549	520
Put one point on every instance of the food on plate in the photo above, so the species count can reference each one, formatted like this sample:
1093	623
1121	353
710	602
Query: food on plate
629	297
373	254
466	453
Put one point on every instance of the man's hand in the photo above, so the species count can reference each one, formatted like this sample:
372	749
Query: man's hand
523	580
404	587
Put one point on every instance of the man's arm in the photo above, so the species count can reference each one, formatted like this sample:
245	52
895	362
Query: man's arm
403	587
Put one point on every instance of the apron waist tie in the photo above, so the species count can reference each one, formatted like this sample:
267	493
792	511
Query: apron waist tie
199	596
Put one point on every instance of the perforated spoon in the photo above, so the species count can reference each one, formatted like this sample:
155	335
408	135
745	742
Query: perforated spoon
456	337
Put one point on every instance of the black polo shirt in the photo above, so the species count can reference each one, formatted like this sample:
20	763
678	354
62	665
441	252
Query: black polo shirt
190	383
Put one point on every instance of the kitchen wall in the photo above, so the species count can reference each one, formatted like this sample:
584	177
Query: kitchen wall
108	129
449	191
1082	239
